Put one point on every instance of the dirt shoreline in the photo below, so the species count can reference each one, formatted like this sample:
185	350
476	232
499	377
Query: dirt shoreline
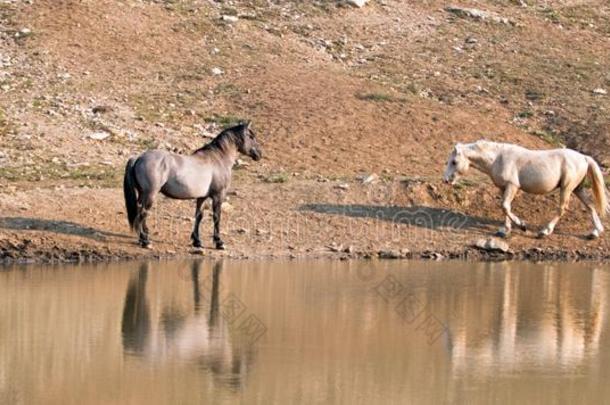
300	219
9	258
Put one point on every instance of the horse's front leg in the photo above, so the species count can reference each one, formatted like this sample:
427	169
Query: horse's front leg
216	208
198	217
510	191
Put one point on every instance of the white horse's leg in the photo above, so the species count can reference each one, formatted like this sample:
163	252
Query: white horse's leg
597	223
510	191
564	200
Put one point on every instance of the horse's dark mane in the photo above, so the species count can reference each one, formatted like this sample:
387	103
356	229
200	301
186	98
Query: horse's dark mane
223	139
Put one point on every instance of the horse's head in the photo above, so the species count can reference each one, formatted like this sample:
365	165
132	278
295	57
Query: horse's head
247	143
457	164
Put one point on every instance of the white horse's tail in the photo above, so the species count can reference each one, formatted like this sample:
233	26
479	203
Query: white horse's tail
598	186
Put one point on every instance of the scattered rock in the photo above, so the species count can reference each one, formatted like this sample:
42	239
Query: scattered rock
261	232
389	254
477	14
99	136
342	186
241	164
216	71
432	255
101	109
370	178
357	3
335	248
241	231
600	91
492	245
22	33
229	18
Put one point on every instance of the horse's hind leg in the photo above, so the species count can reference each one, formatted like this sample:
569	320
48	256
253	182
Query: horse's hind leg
510	191
146	203
598	227
564	200
198	217
216	207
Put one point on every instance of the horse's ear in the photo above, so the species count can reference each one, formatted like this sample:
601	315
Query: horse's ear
247	124
458	148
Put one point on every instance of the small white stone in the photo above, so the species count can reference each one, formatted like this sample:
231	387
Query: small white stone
216	71
357	3
370	178
99	136
229	18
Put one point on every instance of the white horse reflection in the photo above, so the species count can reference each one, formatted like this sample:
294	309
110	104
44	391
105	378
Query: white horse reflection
552	327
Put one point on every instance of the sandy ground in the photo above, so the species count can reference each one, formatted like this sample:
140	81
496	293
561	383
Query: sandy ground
297	219
335	93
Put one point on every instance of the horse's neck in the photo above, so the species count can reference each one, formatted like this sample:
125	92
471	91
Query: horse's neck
226	154
482	158
230	156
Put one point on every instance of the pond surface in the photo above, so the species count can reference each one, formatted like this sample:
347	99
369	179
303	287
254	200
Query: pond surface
370	332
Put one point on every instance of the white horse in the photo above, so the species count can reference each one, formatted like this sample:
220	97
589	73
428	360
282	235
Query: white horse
512	168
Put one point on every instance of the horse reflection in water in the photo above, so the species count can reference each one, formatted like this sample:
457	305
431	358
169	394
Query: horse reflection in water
560	324
201	338
135	326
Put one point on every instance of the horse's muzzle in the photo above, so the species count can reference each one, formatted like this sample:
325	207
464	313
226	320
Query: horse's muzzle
256	155
449	180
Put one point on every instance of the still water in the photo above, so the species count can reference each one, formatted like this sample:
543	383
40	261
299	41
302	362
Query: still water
198	332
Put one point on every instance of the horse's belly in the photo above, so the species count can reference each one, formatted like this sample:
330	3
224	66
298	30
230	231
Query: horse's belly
184	188
539	181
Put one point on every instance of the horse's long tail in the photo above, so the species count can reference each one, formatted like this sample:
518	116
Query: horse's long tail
129	191
598	186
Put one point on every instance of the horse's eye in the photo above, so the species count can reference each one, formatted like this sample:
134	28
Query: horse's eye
454	162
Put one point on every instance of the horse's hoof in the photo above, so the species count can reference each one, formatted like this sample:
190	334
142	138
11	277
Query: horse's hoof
542	235
145	244
220	246
197	244
196	251
593	235
501	234
523	227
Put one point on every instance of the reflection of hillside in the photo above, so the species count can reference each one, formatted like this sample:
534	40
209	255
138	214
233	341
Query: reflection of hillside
189	334
541	319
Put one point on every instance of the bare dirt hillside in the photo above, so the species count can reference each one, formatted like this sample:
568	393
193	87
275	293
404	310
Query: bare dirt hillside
337	93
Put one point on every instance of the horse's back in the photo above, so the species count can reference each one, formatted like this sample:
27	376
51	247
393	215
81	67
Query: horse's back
541	171
176	176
